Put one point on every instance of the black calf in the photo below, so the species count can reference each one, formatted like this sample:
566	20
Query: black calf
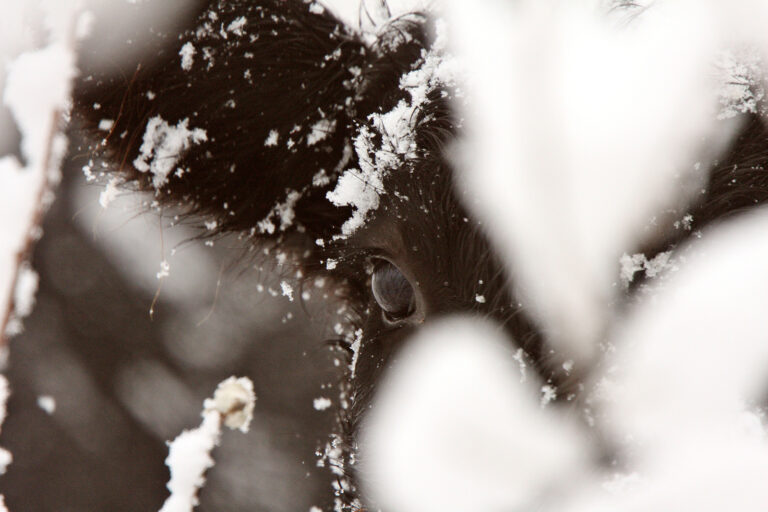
259	116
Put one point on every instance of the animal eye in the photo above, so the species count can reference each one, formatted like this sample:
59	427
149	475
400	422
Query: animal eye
392	291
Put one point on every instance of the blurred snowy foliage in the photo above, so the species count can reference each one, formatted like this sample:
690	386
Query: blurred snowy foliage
581	129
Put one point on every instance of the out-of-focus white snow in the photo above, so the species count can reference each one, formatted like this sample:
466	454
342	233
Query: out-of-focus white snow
189	454
36	92
582	129
47	403
455	428
694	357
5	456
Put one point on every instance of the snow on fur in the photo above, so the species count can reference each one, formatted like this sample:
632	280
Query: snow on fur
360	188
163	146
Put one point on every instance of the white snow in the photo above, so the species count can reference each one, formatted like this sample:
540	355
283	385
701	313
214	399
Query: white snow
455	428
237	25
163	146
287	290
284	212
321	404
110	192
187	53
165	270
630	265
36	91
587	127
189	454
320	130
106	125
5	456
47	403
272	138
234	399
360	188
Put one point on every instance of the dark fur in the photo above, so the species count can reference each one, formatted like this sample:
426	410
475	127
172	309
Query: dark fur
430	236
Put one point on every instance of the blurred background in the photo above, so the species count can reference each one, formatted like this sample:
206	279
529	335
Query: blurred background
124	383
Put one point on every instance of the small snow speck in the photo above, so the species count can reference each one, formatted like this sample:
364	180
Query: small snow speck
548	393
165	270
106	125
287	290
321	404
480	299
236	27
272	138
330	264
109	193
316	8
187	53
47	403
321	130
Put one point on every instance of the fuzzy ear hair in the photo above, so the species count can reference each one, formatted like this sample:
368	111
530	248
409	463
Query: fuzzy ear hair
246	118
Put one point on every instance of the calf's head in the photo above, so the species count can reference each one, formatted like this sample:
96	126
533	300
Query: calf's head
329	148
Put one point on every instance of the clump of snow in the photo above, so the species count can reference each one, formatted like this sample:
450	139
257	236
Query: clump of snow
106	125
234	399
743	76
187	53
548	394
272	138
163	146
284	212
316	8
47	403
630	265
287	290
109	193
387	143
27	281
189	454
189	457
320	130
237	25
360	190
480	298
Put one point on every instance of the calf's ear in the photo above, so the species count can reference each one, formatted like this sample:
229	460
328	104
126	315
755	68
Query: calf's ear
245	119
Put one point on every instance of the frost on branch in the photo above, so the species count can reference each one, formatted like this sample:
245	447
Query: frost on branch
36	91
190	453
